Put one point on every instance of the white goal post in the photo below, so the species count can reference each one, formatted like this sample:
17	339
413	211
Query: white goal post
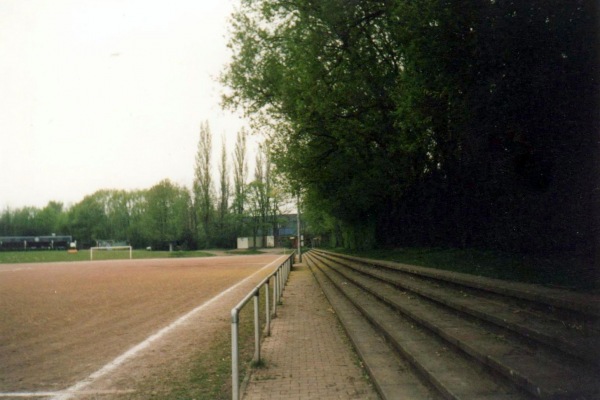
109	248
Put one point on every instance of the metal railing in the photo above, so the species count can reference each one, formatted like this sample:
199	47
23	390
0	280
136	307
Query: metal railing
279	277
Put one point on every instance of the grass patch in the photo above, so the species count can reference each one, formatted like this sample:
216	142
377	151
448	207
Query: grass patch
552	270
206	377
44	256
260	364
183	254
245	252
207	374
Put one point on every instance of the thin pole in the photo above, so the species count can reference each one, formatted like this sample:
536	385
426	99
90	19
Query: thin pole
268	310
256	329
281	284
299	235
235	373
275	292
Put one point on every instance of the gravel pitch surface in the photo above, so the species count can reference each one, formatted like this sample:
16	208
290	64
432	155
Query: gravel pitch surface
62	322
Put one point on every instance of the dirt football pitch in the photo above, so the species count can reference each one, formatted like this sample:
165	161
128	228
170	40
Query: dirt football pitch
99	328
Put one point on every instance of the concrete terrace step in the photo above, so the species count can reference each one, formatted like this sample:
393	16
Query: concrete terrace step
515	317
481	346
585	304
449	373
489	347
393	377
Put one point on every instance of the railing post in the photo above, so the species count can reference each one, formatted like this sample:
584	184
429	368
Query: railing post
256	328
275	291
235	355
268	311
281	283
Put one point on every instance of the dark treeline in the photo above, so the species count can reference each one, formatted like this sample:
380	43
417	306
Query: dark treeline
209	214
433	122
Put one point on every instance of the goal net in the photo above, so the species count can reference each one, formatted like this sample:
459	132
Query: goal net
111	252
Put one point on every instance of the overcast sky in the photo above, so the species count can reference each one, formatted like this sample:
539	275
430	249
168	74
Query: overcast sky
107	94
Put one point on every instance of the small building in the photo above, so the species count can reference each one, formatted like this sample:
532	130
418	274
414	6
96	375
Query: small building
282	233
259	241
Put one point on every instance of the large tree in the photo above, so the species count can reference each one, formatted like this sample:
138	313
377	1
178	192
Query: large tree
240	173
448	123
88	220
224	235
303	76
168	208
203	186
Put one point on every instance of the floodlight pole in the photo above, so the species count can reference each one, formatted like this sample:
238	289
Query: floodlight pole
298	226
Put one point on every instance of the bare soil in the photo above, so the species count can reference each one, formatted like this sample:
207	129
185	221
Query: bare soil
61	322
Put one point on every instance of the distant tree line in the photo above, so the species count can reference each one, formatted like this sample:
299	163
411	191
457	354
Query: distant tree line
434	122
167	213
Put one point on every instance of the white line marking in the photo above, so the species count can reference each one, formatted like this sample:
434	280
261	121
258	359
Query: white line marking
73	390
15	269
48	394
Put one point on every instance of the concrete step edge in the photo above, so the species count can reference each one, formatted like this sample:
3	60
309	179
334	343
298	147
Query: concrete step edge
378	362
451	387
516	373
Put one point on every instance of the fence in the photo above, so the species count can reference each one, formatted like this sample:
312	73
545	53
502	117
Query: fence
279	277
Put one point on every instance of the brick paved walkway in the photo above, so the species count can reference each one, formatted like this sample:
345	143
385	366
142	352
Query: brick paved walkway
308	355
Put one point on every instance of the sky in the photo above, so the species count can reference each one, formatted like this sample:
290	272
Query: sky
107	94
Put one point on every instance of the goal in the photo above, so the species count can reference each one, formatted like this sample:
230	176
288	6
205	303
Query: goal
117	249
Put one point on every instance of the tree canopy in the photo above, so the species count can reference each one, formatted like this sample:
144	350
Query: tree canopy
461	123
168	214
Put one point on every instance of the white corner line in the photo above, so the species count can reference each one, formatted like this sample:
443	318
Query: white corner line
48	394
77	387
28	394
